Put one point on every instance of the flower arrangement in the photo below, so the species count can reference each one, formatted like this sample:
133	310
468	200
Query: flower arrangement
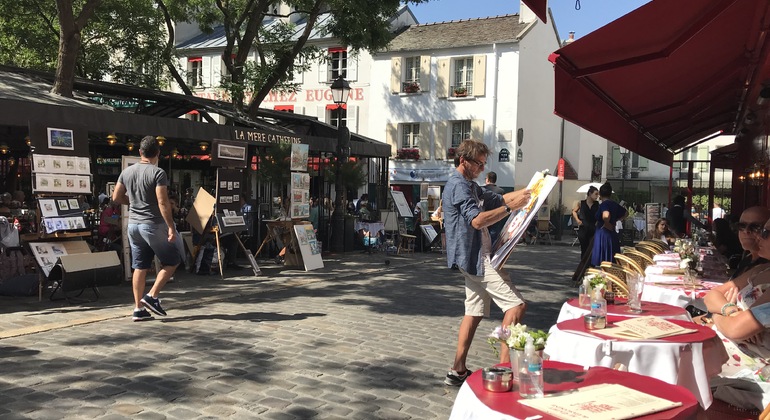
411	87
460	90
515	337
597	281
408	154
686	251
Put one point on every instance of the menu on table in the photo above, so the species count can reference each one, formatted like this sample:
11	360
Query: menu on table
601	402
644	328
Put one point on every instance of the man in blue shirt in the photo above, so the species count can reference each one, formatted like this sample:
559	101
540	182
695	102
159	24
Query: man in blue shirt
468	211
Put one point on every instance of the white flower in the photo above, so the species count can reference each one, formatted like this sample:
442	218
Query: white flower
685	263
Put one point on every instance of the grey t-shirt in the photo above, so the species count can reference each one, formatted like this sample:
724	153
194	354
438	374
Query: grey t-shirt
140	181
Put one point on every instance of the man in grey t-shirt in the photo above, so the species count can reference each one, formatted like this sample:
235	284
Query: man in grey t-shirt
151	229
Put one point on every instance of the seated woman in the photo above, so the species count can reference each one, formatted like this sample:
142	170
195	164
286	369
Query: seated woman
743	387
661	232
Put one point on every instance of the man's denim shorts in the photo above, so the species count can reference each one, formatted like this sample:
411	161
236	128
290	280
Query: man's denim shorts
149	240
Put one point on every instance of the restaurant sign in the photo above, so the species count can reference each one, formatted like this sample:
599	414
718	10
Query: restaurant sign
262	137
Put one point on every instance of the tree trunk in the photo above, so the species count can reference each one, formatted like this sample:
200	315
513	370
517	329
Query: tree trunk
69	43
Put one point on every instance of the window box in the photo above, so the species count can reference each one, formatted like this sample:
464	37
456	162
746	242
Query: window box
408	154
451	153
410	87
460	91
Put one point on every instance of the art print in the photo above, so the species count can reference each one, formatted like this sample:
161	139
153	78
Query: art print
236	198
236	184
70	165
226	151
79	223
222	184
63	204
41	249
73	203
230	185
70	183
57	183
83	166
83	186
48	208
299	154
56	164
60	138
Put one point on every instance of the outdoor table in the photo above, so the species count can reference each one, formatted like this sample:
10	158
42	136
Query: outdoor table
473	402
670	289
688	360
571	310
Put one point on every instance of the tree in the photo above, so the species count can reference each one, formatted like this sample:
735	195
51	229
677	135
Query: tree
280	52
70	27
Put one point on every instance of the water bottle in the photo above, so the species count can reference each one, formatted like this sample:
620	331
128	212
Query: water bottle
764	374
531	373
598	303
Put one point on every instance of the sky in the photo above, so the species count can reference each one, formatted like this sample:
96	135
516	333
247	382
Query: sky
592	14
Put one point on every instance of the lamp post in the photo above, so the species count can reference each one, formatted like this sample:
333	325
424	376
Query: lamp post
623	170
340	90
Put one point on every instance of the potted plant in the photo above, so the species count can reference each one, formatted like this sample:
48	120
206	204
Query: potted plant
460	91
451	153
411	87
515	337
406	153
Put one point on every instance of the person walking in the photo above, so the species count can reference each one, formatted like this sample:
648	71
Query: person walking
606	240
491	185
584	216
143	187
468	212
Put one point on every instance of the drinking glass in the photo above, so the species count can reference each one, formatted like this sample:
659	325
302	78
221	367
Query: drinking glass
635	288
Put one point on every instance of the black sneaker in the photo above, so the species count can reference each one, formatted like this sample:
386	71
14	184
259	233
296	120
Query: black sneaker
455	379
153	304
141	315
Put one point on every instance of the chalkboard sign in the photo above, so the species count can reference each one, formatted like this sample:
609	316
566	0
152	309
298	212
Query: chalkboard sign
626	237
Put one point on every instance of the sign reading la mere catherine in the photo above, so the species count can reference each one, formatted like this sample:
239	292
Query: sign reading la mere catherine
265	137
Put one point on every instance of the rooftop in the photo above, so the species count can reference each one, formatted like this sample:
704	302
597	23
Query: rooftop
459	33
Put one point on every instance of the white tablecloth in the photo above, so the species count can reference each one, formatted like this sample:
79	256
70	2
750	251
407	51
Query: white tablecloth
687	364
570	311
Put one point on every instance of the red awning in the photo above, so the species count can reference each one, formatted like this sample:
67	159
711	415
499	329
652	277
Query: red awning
667	74
539	7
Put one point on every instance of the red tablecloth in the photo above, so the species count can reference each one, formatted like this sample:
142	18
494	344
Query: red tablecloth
620	308
564	376
701	333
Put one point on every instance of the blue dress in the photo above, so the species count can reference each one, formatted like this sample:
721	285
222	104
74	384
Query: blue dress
606	242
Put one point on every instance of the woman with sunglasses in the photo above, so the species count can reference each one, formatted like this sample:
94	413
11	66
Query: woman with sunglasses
661	232
747	285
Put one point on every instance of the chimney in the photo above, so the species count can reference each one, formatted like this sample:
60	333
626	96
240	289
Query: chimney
571	38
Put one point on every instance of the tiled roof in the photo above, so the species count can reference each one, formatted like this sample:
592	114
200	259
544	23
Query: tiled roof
459	33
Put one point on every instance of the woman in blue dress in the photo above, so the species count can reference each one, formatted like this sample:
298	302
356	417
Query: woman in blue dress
606	240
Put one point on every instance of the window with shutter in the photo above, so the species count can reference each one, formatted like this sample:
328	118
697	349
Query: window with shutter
461	130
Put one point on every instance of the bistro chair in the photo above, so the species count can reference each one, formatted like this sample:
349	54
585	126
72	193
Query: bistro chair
656	246
616	279
640	258
544	229
647	250
405	240
628	264
664	246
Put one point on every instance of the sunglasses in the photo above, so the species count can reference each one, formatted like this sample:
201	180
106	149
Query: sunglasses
765	233
749	227
479	164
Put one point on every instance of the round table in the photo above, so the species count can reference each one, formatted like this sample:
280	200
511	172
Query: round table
688	360
473	402
571	310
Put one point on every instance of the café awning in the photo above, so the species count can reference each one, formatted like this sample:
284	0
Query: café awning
667	74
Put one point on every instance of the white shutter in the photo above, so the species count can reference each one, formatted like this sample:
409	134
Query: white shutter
477	130
423	142
323	72
206	63
395	75
299	109
442	139
352	118
299	76
352	70
216	71
321	113
425	73
617	159
391	137
442	80
479	75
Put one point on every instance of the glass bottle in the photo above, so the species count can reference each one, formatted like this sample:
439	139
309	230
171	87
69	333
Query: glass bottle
598	303
531	373
584	297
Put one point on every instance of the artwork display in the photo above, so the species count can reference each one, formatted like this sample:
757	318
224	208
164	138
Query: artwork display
401	205
300	195
57	224
299	154
226	151
53	164
540	185
309	246
228	190
61	138
430	232
62	184
47	253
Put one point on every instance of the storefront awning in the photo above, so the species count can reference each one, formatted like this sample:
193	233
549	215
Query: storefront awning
667	74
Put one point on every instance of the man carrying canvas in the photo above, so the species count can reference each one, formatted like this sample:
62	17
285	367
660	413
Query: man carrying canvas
468	211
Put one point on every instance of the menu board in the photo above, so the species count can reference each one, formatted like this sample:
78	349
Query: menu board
652	212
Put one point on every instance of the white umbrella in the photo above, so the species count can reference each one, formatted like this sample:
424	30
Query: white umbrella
584	188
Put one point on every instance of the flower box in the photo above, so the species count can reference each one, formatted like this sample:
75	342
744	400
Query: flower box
460	91
408	154
451	153
411	87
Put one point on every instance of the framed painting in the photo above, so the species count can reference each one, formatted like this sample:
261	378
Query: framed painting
60	138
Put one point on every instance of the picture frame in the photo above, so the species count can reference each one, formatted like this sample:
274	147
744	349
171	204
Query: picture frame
61	138
227	151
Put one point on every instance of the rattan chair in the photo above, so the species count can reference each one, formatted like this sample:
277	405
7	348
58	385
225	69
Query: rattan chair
655	245
619	286
663	245
628	263
619	276
647	250
641	258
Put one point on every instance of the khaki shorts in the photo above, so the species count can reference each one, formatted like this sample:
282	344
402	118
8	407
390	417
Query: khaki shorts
479	290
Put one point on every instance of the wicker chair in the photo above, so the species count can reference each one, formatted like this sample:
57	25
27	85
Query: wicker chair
618	275
629	264
618	285
647	250
656	245
641	258
663	245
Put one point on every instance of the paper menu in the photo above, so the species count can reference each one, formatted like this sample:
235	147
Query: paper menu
644	328
601	402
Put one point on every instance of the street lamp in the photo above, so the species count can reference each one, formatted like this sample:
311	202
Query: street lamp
623	169
340	90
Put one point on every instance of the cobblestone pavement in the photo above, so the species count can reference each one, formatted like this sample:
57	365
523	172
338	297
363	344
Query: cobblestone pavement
358	339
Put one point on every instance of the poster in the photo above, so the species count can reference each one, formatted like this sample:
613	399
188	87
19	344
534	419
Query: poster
430	232
300	195
541	185
309	246
52	164
299	154
47	253
652	212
